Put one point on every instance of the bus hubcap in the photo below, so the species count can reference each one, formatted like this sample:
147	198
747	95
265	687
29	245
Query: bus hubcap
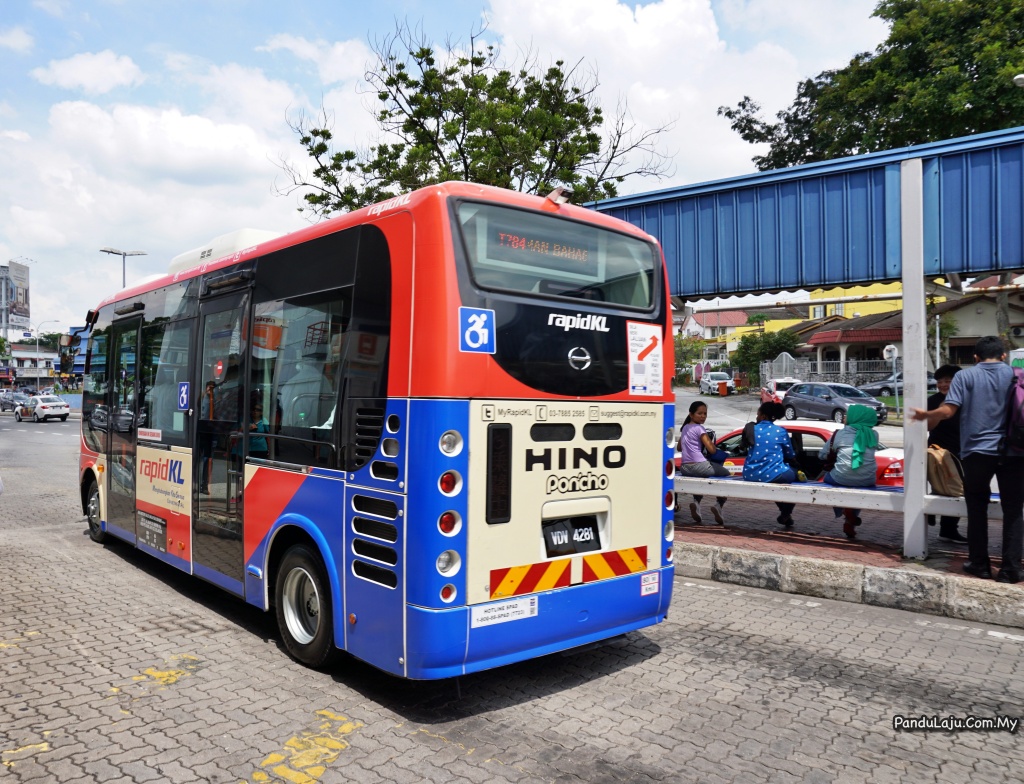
301	606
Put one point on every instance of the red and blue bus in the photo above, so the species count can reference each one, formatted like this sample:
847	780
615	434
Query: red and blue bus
435	433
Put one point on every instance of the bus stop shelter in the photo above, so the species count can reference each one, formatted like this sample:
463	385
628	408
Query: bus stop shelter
939	210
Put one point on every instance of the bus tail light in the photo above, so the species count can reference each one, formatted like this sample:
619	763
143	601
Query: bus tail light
670	530
448	594
668	554
670	499
449	482
448	563
450	442
448	522
670	467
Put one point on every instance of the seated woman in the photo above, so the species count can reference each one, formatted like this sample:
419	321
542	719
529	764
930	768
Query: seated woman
770	455
854	465
692	438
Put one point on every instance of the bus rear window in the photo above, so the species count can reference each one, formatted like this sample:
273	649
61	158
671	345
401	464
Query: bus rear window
526	252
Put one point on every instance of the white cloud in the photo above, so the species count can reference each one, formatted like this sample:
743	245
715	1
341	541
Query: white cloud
55	8
671	60
336	62
16	39
94	74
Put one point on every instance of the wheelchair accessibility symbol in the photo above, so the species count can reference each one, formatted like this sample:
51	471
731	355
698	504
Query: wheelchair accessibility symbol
183	396
476	330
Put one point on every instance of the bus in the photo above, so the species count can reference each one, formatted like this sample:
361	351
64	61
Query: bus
435	433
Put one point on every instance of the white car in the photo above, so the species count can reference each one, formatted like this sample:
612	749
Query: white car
43	407
709	383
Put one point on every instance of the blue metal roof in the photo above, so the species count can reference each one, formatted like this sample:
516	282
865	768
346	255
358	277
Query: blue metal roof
837	223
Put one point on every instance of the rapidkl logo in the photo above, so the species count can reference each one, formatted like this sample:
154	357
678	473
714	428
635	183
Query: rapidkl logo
165	470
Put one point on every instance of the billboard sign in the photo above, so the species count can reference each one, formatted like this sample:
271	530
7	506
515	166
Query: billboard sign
18	306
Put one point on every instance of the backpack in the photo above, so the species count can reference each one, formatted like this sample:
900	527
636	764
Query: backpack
1013	443
944	472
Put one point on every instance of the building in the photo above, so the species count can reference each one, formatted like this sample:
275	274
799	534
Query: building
33	369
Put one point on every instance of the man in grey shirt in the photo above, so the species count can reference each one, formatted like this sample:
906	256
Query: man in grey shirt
980	394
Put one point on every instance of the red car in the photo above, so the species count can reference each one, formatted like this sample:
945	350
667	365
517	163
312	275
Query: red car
808	439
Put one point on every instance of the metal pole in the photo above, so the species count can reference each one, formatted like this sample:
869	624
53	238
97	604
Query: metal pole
124	280
937	343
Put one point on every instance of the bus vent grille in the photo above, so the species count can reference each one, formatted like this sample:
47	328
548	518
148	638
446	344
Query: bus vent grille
382	469
375	574
377	552
368	431
375	528
375	506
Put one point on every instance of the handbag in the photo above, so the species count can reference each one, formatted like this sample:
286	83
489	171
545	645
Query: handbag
944	472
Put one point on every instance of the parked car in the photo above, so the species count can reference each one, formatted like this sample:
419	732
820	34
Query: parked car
808	439
41	408
888	386
775	390
9	402
828	401
709	382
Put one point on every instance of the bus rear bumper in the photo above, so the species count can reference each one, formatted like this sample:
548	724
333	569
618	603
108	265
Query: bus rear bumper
447	643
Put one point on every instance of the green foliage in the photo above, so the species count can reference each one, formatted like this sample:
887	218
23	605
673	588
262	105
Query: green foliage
689	349
755	348
756	319
946	70
49	340
462	114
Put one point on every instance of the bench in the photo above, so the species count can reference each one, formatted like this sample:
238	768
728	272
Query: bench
884	499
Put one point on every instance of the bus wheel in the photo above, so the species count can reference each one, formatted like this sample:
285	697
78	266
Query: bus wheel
92	513
303	599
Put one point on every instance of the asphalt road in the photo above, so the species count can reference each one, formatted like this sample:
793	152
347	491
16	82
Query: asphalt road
114	668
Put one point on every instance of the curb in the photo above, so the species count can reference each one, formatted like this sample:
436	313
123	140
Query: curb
964	598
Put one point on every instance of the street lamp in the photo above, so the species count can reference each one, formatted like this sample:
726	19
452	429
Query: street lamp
38	325
122	254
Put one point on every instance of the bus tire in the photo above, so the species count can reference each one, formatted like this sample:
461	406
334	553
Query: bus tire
302	597
92	513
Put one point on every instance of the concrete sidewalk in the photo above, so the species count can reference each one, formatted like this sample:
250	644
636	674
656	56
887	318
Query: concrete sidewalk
815	558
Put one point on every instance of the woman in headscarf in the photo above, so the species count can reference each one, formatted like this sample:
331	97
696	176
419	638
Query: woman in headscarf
855	465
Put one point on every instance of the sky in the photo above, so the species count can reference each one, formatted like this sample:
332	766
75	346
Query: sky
156	125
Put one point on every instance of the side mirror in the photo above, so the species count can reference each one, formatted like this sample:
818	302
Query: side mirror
69	341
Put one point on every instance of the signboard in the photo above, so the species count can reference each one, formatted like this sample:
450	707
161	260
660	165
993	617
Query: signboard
18	307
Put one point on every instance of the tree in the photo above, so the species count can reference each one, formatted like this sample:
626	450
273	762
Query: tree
756	347
461	114
50	340
945	70
689	349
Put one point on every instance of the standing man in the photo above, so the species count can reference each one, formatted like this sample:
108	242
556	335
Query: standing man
980	395
947	435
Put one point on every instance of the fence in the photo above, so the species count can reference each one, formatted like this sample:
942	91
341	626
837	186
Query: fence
852	371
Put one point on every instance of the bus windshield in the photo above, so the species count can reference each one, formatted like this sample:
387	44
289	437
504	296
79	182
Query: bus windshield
527	252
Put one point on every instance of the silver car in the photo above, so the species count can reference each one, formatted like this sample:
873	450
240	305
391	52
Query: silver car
816	400
709	383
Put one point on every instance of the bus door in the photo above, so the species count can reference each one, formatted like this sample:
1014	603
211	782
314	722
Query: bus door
217	552
122	421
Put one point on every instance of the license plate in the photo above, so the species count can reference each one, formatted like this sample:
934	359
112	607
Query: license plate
571	535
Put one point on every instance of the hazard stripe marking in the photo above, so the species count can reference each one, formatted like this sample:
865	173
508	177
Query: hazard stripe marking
519	580
617	563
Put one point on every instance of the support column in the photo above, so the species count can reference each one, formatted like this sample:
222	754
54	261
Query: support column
915	350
